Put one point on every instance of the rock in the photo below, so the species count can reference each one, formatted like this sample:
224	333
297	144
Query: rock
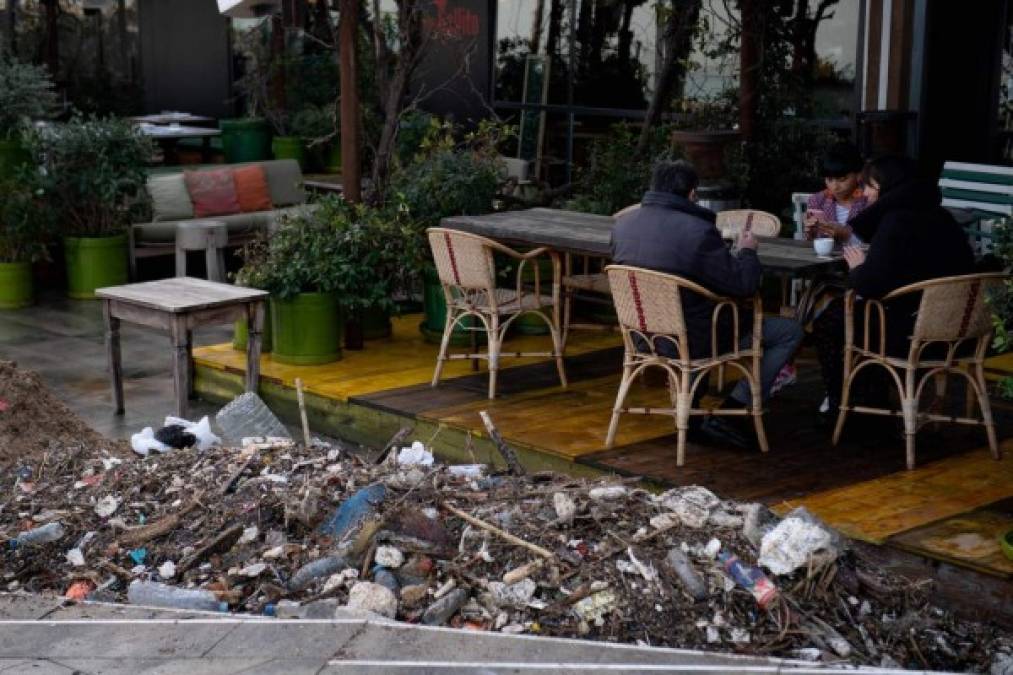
388	556
609	493
413	595
565	507
372	597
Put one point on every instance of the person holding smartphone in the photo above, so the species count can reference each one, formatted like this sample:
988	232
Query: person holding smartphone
830	211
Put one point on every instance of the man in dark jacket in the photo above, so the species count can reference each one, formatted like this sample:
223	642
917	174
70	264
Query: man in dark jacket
670	233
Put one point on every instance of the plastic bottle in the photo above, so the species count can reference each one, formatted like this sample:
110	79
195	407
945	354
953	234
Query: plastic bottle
247	415
154	594
386	578
40	535
444	608
354	511
749	577
306	574
683	568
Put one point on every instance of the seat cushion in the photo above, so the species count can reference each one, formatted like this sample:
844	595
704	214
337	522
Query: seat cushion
170	199
284	178
213	192
251	189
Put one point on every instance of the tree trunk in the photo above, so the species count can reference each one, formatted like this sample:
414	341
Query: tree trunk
625	34
750	50
410	38
53	37
351	178
678	43
536	27
555	27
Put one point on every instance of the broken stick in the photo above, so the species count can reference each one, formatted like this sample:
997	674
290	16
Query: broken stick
545	553
302	412
159	528
508	453
394	441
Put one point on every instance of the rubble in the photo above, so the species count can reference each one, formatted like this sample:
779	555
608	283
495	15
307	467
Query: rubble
276	528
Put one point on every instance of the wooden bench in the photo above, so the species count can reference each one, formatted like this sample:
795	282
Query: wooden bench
980	197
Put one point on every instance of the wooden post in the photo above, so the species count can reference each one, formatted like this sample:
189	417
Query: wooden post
351	177
749	63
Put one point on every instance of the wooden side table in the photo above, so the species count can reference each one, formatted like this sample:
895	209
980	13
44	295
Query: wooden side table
179	306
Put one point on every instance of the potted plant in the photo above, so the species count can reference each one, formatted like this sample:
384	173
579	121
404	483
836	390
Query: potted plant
94	180
248	138
251	275
706	130
23	221
446	178
315	127
302	269
26	94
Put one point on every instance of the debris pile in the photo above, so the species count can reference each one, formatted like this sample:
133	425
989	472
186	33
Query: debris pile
276	528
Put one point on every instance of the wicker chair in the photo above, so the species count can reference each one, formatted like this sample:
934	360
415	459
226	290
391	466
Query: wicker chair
763	224
585	280
649	306
467	273
952	311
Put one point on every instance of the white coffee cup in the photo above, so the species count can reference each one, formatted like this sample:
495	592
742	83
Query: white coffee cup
823	246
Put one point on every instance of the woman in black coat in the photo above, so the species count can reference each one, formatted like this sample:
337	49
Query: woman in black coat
911	238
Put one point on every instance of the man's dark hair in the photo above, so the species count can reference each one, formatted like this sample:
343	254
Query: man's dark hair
840	160
678	177
889	171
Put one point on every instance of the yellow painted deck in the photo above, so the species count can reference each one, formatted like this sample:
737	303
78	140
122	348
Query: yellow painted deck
859	488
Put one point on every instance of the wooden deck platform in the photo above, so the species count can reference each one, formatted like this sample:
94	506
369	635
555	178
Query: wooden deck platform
949	509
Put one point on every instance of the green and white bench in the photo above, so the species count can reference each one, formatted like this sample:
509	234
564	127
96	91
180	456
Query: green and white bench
980	197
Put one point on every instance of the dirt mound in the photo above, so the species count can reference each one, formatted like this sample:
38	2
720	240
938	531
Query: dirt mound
32	419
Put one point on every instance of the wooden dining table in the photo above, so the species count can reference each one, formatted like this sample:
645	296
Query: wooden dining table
573	232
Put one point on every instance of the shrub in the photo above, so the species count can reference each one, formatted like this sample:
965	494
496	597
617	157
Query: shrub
24	220
26	94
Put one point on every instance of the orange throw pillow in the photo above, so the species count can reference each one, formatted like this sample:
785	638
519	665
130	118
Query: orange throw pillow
213	192
252	189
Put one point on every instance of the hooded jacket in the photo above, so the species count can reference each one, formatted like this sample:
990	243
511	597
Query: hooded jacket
671	234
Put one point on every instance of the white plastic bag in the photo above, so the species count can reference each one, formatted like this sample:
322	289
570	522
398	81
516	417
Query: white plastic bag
144	443
201	431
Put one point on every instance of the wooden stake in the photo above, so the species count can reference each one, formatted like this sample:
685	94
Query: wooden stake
523	572
302	412
395	440
508	453
545	553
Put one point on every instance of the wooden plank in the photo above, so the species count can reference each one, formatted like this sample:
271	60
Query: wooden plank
181	294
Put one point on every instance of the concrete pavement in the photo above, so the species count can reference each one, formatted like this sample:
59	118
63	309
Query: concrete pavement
42	635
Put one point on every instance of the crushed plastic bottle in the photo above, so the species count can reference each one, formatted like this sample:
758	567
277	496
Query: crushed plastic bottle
154	594
749	577
440	611
353	511
683	568
323	567
386	578
45	534
247	415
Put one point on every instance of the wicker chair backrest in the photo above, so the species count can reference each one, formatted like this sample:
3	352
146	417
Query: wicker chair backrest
462	260
955	308
647	301
762	224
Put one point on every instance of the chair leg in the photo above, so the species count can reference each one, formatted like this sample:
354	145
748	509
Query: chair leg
567	315
757	414
721	377
842	413
909	407
981	392
444	346
624	388
558	344
494	339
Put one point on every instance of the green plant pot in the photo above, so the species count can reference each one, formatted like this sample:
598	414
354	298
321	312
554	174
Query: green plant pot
15	285
289	147
12	155
435	308
245	140
240	334
332	160
1006	543
94	262
307	329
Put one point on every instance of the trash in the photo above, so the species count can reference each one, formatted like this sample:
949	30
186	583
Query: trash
138	555
416	455
413	595
374	598
691	583
318	609
175	436
513	595
712	548
751	578
388	556
594	607
386	578
611	492
107	506
154	594
40	535
440	611
467	470
249	536
565	507
758	520
445	588
247	415
144	443
693	504
353	512
167	570
79	590
75	557
323	567
253	571
794	541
